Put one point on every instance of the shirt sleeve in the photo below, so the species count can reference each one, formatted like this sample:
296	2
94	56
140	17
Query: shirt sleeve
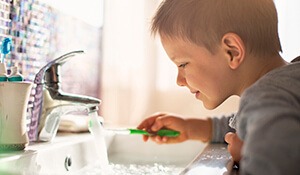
220	126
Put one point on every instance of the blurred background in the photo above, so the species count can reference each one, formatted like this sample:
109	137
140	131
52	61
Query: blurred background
124	65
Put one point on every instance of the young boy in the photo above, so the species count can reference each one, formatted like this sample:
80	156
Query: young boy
231	47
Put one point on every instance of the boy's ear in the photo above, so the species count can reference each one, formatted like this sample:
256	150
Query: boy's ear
234	49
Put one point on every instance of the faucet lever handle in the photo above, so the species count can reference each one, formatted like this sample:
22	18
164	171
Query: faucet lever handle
39	78
62	59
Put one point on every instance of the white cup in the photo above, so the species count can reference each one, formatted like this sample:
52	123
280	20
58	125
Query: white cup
14	98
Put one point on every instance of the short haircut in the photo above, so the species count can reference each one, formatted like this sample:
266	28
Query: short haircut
205	22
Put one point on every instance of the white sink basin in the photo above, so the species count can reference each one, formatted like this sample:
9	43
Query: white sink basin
49	158
69	153
132	150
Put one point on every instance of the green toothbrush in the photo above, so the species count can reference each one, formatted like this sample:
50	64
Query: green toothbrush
162	132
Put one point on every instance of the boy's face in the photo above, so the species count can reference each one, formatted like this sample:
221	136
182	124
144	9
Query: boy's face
206	75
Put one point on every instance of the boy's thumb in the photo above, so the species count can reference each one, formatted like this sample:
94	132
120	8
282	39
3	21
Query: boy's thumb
158	124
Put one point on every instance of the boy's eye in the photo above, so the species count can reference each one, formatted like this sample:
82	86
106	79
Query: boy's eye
182	65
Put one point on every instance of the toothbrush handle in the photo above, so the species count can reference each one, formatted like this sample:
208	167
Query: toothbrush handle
162	132
168	133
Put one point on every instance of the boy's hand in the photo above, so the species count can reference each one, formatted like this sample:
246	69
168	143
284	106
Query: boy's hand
195	129
164	121
234	145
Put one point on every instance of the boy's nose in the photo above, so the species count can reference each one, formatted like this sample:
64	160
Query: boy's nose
180	80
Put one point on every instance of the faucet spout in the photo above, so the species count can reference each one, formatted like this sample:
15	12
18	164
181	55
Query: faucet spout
55	97
51	120
51	102
57	104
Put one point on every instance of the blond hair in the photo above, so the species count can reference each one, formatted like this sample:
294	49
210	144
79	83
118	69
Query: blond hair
204	22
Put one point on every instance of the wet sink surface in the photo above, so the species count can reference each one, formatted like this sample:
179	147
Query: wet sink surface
69	153
130	155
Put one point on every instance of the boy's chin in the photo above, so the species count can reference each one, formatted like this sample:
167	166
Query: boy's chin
211	105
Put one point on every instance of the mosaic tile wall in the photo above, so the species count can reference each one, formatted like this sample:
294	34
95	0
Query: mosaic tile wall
40	34
25	22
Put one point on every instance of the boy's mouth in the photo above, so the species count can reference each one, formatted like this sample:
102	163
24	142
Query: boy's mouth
197	93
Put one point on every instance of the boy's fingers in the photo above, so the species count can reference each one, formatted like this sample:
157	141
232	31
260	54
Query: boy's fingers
145	138
161	122
228	137
157	139
147	123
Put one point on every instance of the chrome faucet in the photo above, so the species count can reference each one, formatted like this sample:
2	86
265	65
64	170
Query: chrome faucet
50	102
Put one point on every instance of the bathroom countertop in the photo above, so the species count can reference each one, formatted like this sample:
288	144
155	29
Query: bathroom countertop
214	159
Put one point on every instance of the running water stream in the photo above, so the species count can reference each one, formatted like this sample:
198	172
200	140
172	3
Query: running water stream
97	130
